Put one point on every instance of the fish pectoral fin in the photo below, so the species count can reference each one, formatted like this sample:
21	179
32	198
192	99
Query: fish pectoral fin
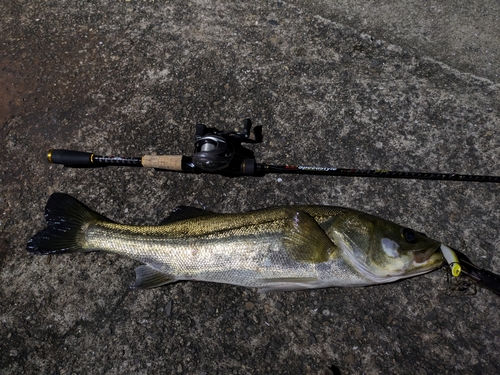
306	241
147	278
186	212
287	284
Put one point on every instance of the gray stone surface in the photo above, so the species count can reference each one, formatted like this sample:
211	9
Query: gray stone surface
410	86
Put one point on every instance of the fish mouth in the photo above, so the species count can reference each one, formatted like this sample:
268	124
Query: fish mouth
425	261
421	257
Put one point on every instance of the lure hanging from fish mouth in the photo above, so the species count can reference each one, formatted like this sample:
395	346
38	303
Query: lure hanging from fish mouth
460	265
452	259
479	276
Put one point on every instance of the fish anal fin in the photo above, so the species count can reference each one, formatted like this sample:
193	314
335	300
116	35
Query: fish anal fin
185	212
147	278
306	240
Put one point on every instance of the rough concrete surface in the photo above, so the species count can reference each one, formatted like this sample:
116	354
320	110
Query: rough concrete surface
374	85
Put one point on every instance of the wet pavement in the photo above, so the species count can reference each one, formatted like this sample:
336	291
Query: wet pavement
408	87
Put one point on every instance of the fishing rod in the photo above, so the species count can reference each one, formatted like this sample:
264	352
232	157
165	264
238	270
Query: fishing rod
221	152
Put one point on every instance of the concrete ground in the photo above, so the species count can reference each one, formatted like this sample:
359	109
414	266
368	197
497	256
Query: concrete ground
412	85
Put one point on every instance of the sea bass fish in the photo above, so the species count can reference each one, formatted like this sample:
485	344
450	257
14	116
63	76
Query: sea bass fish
273	249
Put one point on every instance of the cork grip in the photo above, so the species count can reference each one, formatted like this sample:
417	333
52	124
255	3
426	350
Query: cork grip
170	162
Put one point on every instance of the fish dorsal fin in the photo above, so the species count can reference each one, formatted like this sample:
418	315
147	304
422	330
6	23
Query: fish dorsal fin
185	212
147	278
305	239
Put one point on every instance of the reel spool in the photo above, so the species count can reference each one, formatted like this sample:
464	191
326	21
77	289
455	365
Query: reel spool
212	153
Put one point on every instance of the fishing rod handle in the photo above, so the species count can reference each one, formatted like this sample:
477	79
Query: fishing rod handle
81	159
170	162
70	157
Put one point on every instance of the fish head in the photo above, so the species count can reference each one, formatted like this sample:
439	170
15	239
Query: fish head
383	251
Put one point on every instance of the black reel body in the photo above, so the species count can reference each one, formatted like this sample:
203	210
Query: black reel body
222	151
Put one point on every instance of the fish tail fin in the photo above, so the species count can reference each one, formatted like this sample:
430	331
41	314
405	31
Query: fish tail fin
66	218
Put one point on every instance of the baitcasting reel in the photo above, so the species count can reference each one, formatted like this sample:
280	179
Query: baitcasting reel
215	150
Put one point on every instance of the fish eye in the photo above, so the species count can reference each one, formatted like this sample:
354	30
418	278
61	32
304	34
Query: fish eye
409	235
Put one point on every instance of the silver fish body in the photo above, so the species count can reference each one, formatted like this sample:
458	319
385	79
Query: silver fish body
274	249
